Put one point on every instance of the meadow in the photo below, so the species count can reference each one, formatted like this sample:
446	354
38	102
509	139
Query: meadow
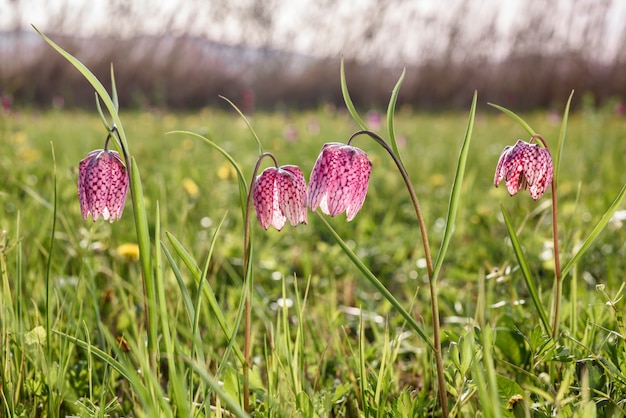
324	340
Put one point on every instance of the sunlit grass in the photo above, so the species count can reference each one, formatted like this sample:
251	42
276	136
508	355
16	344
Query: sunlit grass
324	339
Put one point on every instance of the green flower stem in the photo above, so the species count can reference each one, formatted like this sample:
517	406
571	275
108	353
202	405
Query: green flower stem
248	280
432	282
557	261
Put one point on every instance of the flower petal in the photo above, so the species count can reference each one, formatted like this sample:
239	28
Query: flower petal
339	180
292	196
264	196
102	185
525	165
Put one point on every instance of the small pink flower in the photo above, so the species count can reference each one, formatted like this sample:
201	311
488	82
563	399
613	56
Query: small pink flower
339	180
102	185
525	165
280	195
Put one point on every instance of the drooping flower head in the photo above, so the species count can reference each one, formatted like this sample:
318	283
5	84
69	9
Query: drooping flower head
102	185
339	180
525	165
279	195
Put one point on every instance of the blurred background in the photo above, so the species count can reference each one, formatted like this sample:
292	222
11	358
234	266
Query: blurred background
276	54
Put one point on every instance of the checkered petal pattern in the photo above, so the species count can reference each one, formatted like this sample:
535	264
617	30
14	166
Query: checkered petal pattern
102	185
279	195
339	180
525	166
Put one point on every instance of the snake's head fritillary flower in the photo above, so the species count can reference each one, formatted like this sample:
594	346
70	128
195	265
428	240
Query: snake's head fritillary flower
339	180
102	185
279	195
525	165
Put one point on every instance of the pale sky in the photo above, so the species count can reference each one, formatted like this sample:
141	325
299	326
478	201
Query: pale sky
403	30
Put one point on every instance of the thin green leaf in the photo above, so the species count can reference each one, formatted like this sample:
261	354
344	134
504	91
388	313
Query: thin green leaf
200	369
455	195
101	113
175	382
241	180
102	355
95	83
187	302
377	284
195	329
207	290
256	137
391	110
595	232
143	241
521	259
490	371
348	100
515	117
114	98
562	133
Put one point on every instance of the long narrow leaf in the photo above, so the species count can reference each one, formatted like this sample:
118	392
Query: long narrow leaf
377	284
455	195
187	302
521	259
596	231
248	124
391	110
102	355
95	83
515	117
241	180
143	241
562	134
348	100
176	383
207	290
195	328
200	369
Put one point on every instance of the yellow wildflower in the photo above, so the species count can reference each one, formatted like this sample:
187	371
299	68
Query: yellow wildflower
128	251
191	188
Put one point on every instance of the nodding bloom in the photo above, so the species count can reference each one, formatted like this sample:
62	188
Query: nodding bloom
525	165
279	195
102	185
339	180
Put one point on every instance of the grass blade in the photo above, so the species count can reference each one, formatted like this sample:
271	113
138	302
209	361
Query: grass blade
187	302
256	137
95	83
348	100
562	133
596	231
176	383
377	284
234	408
207	290
515	117
521	259
455	195
241	180
391	109
143	241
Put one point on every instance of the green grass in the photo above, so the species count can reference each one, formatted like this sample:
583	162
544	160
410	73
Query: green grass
314	354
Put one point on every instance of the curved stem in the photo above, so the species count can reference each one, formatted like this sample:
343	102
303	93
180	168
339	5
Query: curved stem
432	281
248	280
557	261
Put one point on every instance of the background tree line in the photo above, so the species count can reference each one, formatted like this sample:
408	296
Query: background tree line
272	54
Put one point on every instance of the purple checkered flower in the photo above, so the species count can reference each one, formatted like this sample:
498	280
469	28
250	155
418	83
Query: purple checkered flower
525	165
339	180
280	195
102	185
